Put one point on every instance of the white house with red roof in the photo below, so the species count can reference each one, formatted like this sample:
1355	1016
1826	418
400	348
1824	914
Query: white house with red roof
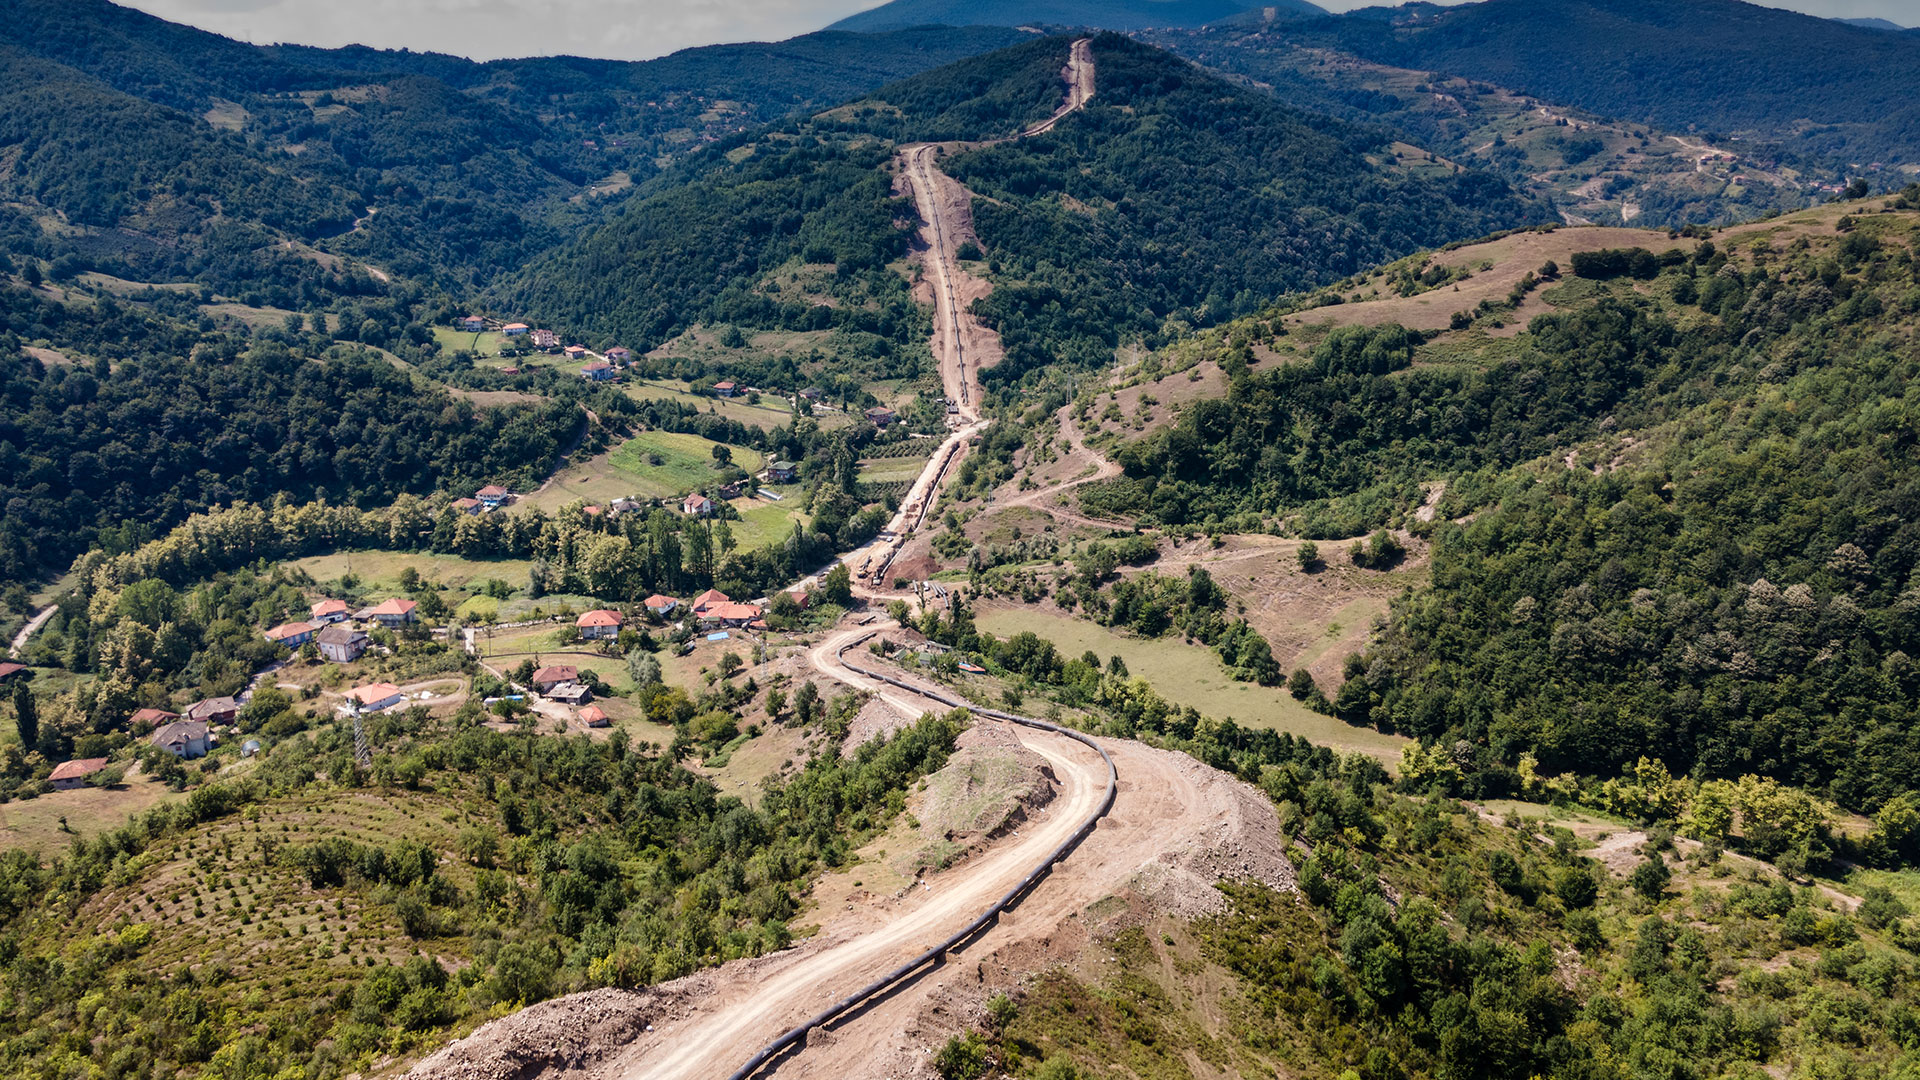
374	696
603	624
726	389
493	495
72	774
395	612
329	611
661	605
697	505
292	635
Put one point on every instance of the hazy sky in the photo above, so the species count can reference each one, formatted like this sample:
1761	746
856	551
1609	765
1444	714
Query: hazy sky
616	29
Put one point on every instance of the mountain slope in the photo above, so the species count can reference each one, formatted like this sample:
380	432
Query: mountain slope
453	170
1710	65
1100	14
1173	196
1678	506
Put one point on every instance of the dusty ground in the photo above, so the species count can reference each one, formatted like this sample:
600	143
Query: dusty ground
1512	257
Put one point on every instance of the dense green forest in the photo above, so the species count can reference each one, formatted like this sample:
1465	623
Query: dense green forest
1723	66
434	167
1176	197
1731	593
169	422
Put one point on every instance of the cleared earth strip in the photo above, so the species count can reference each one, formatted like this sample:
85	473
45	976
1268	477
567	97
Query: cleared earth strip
938	953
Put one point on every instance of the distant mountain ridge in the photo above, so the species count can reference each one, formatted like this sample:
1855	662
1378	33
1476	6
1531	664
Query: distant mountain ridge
1706	65
1099	14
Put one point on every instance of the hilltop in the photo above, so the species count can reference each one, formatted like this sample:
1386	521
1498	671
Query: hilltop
1261	198
1095	14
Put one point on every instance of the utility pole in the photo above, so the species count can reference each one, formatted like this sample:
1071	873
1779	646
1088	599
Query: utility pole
362	753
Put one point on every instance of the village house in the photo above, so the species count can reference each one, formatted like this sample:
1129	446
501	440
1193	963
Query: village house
329	611
570	693
468	505
395	612
219	710
374	697
545	339
880	416
342	644
601	625
619	354
725	389
72	774
156	717
473	324
493	495
554	675
515	329
697	505
8	669
727	613
598	371
626	505
813	393
782	472
709	598
183	738
594	716
661	605
291	635
576	352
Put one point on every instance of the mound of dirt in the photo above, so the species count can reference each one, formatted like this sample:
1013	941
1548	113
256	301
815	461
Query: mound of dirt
554	1038
990	786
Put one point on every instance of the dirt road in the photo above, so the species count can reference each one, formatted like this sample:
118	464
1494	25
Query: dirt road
961	345
33	627
1077	450
1079	76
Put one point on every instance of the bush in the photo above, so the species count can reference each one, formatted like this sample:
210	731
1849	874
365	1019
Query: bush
963	1058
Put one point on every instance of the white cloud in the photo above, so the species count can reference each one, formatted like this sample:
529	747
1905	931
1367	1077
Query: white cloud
611	29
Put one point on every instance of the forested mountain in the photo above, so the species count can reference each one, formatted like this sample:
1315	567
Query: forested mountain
1080	226
432	167
1685	506
1592	167
1098	14
1721	66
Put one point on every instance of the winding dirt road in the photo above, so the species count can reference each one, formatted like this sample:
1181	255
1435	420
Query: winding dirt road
33	627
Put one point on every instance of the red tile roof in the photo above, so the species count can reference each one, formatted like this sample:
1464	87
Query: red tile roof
556	673
395	606
660	603
9	668
372	692
731	611
287	630
491	491
329	607
152	716
711	596
602	617
593	716
77	768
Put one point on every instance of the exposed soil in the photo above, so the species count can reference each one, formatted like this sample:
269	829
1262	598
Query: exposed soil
1512	258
